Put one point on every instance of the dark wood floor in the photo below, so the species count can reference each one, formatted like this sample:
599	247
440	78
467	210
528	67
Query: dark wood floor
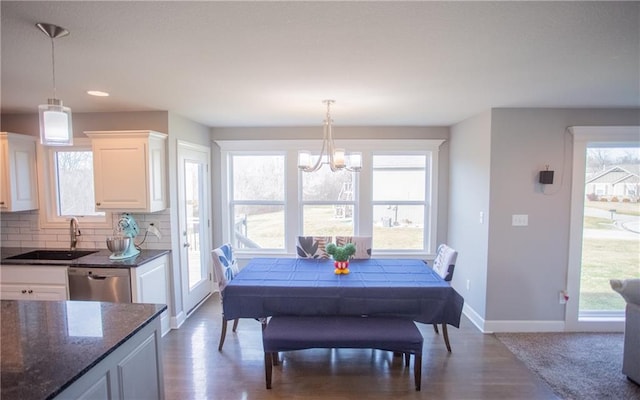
479	367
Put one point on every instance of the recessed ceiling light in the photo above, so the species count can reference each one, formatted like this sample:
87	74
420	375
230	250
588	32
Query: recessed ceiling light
97	93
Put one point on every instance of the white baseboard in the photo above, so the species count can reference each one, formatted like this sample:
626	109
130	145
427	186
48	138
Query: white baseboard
178	320
474	317
488	326
524	326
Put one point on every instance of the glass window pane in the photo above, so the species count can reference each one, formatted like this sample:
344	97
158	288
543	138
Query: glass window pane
327	220
75	183
611	204
259	226
398	227
258	177
325	185
399	178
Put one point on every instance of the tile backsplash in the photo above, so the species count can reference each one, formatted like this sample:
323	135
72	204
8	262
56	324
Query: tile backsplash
21	229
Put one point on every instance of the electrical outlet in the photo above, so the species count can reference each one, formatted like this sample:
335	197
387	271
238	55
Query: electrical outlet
154	229
520	220
562	297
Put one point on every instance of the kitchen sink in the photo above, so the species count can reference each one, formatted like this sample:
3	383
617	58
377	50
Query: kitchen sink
57	255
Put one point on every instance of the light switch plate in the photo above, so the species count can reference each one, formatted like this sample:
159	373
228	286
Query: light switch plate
520	220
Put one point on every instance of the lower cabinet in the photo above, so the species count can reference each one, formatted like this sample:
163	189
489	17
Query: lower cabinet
149	285
34	283
32	292
132	371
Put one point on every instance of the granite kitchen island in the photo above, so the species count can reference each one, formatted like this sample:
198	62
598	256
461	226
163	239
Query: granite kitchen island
73	349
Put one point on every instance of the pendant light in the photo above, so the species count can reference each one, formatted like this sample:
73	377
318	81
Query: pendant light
329	154
56	128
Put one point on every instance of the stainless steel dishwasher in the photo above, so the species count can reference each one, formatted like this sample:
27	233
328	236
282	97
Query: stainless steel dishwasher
100	284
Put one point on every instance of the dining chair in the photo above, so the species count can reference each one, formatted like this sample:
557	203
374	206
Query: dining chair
443	265
362	243
225	269
312	246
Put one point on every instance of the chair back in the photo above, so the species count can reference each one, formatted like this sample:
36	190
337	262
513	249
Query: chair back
312	246
362	243
445	262
225	267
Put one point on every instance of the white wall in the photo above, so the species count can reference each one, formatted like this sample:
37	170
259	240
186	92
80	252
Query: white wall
180	128
527	266
469	183
28	124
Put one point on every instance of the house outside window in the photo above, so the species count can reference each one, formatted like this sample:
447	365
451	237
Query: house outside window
269	201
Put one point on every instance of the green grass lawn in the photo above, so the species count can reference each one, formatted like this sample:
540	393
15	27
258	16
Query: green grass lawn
604	259
267	229
619	206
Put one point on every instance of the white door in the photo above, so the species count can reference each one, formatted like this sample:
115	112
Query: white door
194	209
604	238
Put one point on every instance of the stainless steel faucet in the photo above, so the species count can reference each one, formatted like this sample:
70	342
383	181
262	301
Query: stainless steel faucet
74	232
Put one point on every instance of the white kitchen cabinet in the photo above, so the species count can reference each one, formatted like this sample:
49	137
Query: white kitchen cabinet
23	282
129	170
18	179
132	371
149	285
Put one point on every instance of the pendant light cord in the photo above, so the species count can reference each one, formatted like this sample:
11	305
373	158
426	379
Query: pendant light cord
53	64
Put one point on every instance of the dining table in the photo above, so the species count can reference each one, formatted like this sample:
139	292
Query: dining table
275	286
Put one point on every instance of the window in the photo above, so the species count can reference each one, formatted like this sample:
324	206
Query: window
69	187
257	200
399	201
74	183
328	202
270	202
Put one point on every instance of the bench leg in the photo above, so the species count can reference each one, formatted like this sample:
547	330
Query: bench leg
417	370
445	335
235	324
435	328
223	333
275	358
268	369
407	357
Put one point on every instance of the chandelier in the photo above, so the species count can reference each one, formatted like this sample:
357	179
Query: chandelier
330	155
56	128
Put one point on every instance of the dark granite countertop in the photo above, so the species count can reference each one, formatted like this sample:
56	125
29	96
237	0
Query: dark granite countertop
95	260
48	345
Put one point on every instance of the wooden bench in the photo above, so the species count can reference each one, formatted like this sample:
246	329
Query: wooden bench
287	333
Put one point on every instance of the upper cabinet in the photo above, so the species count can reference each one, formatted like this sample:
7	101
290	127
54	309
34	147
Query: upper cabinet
18	179
129	170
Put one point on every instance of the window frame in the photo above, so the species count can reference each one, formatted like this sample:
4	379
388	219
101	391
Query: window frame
48	195
363	213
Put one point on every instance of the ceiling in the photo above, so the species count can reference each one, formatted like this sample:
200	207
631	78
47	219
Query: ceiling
230	64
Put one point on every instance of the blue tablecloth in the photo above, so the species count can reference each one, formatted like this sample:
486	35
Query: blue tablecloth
375	287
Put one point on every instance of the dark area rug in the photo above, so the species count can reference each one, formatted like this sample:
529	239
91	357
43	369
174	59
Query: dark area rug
576	366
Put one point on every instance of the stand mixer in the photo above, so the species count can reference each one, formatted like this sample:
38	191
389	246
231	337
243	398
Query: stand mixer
127	227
